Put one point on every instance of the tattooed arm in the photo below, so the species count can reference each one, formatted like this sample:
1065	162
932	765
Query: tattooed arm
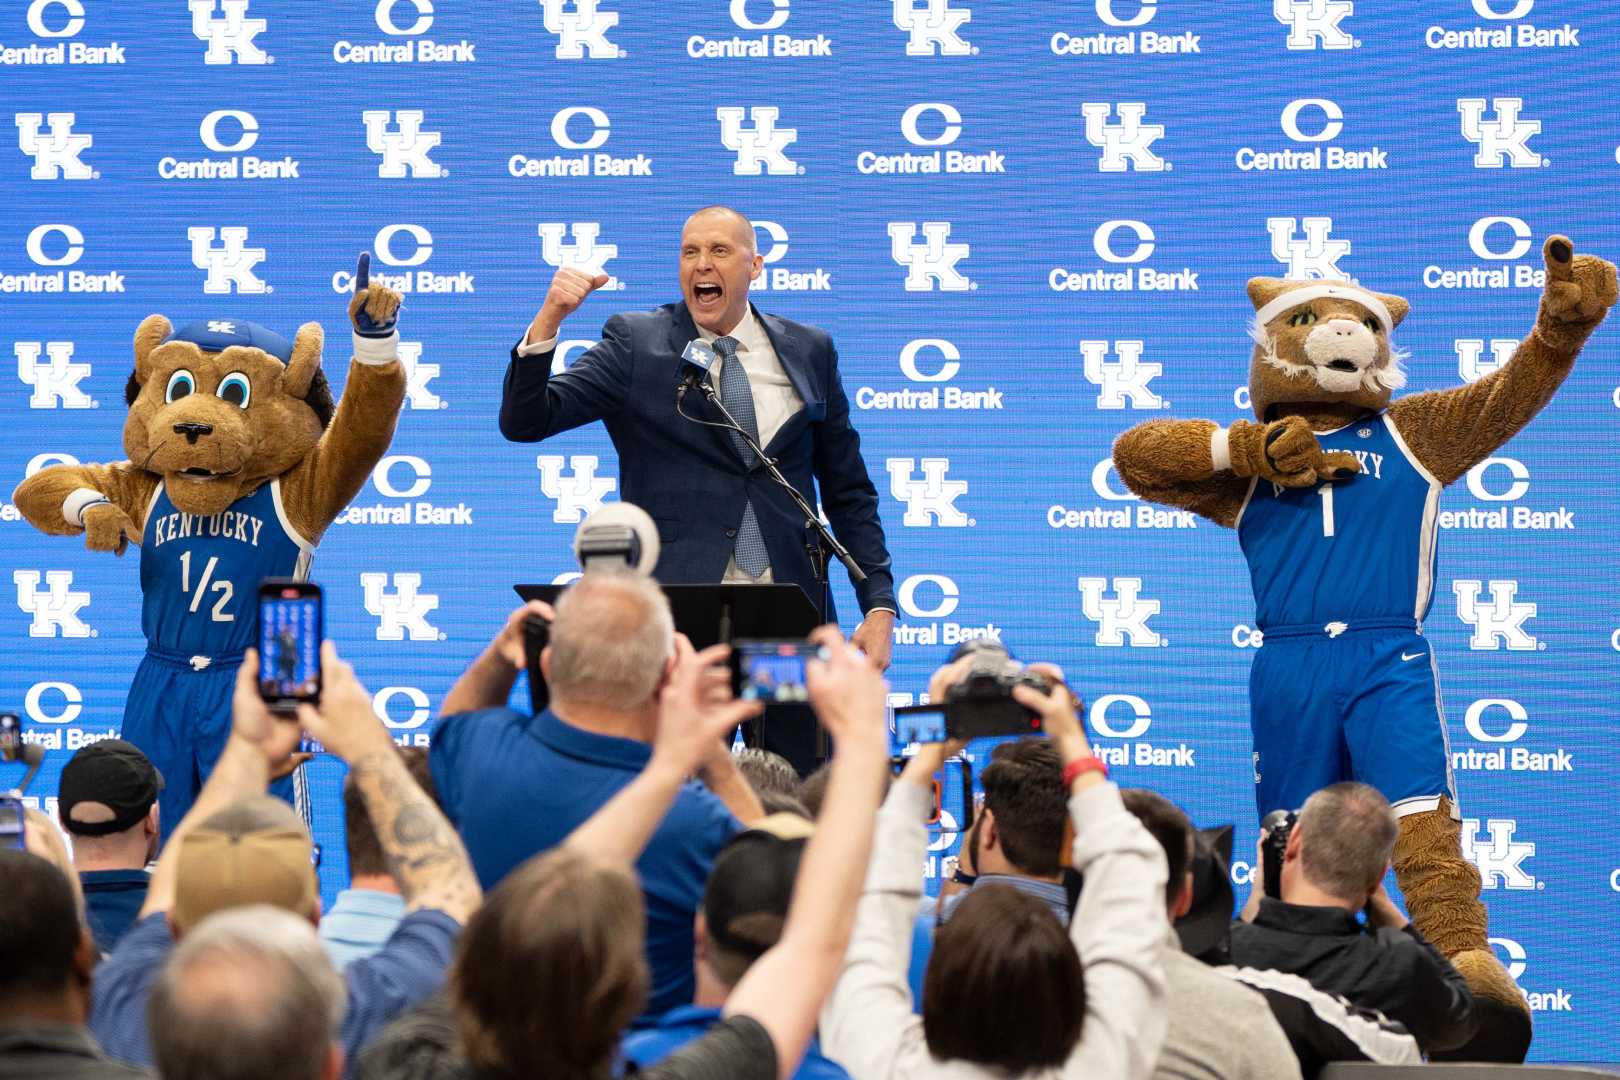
424	853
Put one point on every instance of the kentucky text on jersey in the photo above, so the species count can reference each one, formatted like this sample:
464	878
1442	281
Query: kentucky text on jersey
230	525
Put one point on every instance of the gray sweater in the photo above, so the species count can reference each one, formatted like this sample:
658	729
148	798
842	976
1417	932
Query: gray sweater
1219	1028
867	1026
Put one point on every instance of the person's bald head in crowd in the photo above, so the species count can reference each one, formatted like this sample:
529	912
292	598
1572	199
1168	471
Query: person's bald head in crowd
612	645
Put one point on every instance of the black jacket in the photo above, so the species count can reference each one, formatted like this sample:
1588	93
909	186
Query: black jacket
1396	972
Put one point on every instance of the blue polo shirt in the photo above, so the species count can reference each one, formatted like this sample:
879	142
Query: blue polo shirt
647	1046
112	899
516	785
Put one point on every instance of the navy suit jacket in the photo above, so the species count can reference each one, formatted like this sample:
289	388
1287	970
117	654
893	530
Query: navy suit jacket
690	478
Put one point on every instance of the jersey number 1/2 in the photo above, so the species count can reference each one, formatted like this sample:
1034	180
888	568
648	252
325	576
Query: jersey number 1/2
225	589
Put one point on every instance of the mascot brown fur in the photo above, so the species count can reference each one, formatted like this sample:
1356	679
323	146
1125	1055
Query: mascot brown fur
1303	380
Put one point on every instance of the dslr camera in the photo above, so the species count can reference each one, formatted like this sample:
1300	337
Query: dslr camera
1277	827
979	704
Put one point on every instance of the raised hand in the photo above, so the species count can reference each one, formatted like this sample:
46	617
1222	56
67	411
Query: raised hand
253	722
375	308
696	707
847	693
108	528
569	288
344	721
1580	289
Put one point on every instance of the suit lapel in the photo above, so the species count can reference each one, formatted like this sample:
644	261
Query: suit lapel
790	351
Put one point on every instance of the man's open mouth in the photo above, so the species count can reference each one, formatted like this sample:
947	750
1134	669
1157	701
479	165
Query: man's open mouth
706	292
1342	365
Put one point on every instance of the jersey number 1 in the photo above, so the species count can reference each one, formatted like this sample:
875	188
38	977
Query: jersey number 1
225	589
1326	491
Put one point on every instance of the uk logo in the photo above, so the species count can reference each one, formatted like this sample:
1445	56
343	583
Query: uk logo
1124	145
418	375
761	148
1504	137
405	149
56	608
402	610
931	498
935	27
1498	623
1314	24
1125	378
1315	255
56	155
1471	362
56	379
1123	617
932	262
229	266
1500	858
577	493
584	253
581	27
229	35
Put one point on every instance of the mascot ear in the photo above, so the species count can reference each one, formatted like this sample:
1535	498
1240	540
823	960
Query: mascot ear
152	332
1397	307
1263	290
305	362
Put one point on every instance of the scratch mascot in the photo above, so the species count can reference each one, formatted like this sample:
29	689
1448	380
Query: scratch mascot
238	462
1334	493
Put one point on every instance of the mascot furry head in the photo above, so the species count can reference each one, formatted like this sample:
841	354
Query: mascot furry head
1323	341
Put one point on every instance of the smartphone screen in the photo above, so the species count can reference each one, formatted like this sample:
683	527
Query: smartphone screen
772	671
289	642
919	724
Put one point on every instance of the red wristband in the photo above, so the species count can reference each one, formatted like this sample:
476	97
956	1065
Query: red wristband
1082	765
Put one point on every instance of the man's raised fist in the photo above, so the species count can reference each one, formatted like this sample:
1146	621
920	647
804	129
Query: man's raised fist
569	288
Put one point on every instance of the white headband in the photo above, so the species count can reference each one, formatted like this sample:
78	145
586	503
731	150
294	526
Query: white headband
1294	298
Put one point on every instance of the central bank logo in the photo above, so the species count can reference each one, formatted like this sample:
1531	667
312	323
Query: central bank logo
927	602
771	239
403	610
404	149
576	493
1492	34
1499	241
229	132
56	607
408	19
55	379
224	25
760	145
1125	145
930	499
934	26
583	253
1122	616
1312	123
1315	24
55	22
230	265
931	262
1499	622
1472	364
1122	379
56	154
581	27
1126	252
1315	255
1500	858
1505	136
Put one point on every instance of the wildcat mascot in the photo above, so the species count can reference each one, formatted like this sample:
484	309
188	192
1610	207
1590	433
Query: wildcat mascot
238	462
1334	493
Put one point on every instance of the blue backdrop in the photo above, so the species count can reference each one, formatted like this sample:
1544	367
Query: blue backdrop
1027	226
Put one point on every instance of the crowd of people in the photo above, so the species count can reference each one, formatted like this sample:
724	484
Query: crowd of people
605	889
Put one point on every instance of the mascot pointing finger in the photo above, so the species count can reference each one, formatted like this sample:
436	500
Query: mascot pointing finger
1334	493
238	462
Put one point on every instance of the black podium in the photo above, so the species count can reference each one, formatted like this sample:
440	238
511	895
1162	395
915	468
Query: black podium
720	614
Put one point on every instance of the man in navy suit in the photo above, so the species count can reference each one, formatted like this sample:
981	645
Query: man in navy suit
720	517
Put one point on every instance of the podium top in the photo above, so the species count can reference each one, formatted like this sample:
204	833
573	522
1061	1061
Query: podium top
710	614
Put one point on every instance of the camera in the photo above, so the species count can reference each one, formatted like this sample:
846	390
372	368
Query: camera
1277	827
772	671
979	704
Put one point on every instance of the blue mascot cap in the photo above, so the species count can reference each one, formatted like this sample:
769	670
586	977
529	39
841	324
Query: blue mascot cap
216	335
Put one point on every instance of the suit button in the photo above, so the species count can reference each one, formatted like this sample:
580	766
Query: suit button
731	533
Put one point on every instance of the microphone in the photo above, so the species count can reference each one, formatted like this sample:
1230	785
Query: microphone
696	361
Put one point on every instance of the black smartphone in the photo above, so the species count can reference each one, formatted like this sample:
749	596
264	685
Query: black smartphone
290	630
920	724
772	671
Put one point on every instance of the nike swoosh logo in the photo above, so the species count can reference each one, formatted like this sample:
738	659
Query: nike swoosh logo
1413	656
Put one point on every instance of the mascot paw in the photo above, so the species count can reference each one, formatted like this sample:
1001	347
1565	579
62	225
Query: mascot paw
1503	1030
1291	456
375	308
108	528
1580	289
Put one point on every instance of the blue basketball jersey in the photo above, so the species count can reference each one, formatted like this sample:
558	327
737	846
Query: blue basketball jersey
200	575
1361	548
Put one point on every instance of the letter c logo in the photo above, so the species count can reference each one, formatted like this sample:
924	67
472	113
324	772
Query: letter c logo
382	477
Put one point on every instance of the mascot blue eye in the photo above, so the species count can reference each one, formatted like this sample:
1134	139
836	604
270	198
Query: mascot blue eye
235	389
1370	323
180	384
1302	318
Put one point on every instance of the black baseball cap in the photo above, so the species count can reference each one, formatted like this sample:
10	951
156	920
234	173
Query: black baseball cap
1205	929
751	884
113	773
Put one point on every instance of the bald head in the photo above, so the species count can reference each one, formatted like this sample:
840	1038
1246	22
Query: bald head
610	641
741	229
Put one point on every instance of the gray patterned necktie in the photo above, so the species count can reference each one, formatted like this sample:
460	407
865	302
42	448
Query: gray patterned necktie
738	397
